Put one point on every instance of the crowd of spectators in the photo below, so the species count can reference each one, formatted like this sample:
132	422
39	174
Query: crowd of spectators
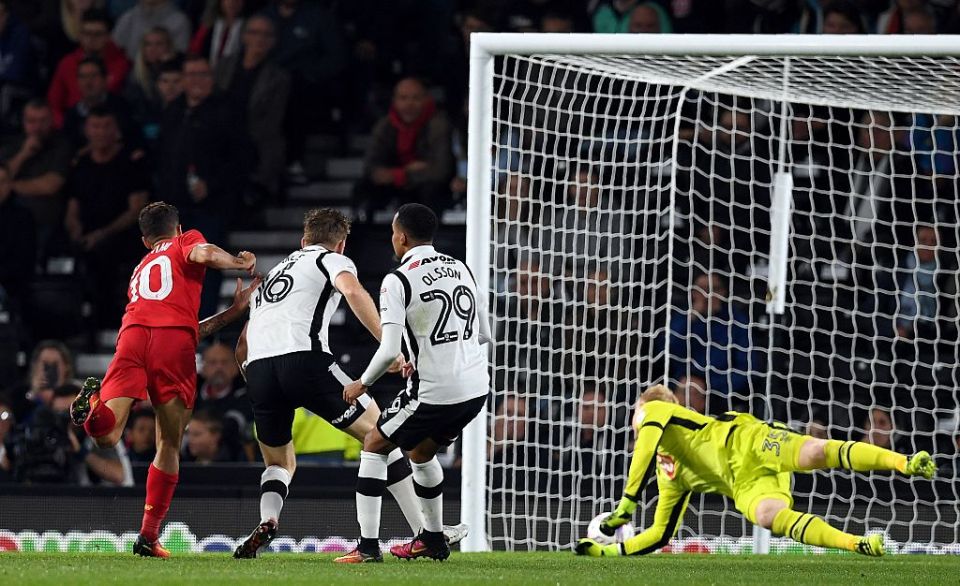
209	104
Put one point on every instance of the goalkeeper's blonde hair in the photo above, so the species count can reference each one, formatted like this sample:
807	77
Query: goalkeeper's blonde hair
658	393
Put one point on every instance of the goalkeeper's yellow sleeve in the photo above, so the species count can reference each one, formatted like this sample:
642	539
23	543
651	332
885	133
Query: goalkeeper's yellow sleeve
656	415
666	521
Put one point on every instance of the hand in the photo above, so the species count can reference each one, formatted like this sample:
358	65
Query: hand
590	548
415	167
199	190
353	391
241	296
407	370
398	364
248	261
31	146
382	176
621	516
90	240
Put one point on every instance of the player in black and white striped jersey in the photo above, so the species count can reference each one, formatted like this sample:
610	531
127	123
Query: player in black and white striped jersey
432	302
288	364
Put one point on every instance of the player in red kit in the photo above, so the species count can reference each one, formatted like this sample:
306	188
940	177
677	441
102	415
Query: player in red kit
155	357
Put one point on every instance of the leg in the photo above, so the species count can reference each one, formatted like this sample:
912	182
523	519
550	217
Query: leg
110	415
817	454
428	484
281	462
162	477
776	515
399	481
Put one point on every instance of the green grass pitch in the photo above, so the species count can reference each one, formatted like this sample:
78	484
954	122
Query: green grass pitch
488	568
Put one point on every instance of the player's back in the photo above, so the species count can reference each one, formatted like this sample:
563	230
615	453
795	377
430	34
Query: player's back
695	450
441	324
291	310
165	286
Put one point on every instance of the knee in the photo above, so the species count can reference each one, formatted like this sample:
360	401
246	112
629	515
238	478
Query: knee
813	454
374	442
766	512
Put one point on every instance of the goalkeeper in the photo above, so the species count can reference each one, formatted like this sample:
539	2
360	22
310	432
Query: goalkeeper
742	458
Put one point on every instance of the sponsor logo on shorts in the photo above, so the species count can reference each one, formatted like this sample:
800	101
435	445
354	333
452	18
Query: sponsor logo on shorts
346	415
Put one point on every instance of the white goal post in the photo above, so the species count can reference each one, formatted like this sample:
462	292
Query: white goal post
817	145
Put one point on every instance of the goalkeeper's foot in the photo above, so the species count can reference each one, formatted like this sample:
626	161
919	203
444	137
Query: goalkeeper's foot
259	539
84	403
921	464
871	545
589	547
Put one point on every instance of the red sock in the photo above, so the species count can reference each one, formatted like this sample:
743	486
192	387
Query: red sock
101	420
160	487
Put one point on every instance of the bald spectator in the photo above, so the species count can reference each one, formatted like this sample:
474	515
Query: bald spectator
38	160
146	15
409	159
95	41
258	90
221	391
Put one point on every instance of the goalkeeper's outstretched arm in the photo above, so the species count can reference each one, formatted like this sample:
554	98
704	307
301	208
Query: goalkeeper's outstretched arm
666	521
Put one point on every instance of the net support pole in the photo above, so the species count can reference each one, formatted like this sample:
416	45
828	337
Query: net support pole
473	503
780	215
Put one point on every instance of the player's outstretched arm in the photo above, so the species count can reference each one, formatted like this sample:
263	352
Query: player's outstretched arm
359	301
381	362
214	257
666	521
237	309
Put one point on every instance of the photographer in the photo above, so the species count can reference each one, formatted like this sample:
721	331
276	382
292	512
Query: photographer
51	366
50	449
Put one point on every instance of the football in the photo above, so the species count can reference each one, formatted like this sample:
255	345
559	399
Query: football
623	533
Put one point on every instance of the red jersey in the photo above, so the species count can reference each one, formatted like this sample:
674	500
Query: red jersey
165	287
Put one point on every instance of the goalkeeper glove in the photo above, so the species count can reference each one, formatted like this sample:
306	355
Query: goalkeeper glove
593	549
621	516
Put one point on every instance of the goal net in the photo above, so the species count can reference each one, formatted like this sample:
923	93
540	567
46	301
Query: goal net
772	233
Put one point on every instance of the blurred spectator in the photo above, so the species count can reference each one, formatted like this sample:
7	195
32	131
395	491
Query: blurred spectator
842	17
95	41
259	90
891	21
141	436
116	8
219	35
18	240
204	443
926	290
49	448
509	430
649	18
310	47
613	16
456	73
878	429
919	22
555	22
817	428
156	48
692	393
38	161
147	14
17	67
108	187
202	154
409	157
222	392
149	114
711	340
92	80
51	366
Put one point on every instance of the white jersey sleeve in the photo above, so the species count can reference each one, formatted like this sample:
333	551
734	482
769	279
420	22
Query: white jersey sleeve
335	264
393	301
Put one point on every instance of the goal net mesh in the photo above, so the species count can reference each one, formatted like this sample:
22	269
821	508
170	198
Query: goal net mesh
631	245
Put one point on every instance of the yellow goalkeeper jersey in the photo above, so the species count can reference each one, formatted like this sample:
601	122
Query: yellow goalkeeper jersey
735	455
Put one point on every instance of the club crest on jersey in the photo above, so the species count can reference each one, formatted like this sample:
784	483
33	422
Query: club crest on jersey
413	265
668	465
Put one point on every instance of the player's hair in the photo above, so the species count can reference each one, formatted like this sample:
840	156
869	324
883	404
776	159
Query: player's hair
193	58
325	226
158	220
96	62
171	65
418	222
96	15
210	419
102	111
658	393
36	104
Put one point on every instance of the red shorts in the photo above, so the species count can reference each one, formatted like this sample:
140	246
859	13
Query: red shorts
153	363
